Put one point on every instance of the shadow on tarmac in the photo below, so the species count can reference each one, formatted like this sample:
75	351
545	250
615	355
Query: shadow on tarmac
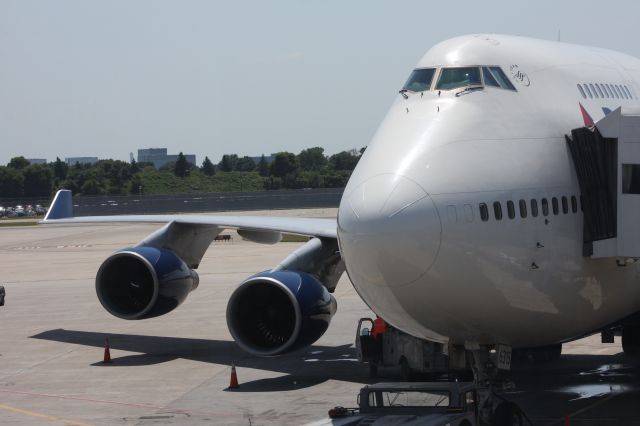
302	369
593	389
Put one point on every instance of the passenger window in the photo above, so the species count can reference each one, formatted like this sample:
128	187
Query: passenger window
593	89
545	207
624	92
565	205
497	210
574	204
468	213
613	90
588	91
584	95
608	90
615	86
419	80
534	207
489	80
599	91
523	208
484	212
501	77
511	211
453	214
554	204
453	78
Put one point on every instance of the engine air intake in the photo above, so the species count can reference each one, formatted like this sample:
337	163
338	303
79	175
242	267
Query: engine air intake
277	312
143	282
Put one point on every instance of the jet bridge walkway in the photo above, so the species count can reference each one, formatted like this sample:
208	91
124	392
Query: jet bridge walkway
607	162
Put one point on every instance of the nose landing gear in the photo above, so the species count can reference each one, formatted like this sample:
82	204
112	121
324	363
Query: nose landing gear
494	410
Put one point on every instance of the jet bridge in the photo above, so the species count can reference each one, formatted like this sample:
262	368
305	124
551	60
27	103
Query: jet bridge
607	162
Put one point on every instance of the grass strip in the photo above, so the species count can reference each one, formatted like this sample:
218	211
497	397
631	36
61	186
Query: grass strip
20	223
291	238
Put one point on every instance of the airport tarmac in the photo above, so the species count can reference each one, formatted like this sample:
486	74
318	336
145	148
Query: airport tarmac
174	369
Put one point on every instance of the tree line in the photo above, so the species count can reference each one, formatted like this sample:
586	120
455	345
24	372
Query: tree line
310	168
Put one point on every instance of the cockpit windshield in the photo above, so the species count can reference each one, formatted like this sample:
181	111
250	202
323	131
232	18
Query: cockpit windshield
501	78
420	80
468	79
452	78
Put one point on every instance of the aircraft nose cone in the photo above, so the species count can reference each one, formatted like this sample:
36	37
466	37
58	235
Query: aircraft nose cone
389	231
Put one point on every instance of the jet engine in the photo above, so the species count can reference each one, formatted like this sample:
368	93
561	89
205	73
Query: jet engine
144	282
272	313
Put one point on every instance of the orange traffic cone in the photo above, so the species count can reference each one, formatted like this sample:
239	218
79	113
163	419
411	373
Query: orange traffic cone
107	354
233	383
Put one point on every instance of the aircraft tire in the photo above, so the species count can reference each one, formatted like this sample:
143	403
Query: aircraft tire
631	340
507	414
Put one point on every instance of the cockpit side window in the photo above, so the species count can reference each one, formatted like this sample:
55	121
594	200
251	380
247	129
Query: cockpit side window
420	80
489	79
453	78
501	77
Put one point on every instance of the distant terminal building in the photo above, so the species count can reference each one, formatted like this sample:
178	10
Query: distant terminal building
159	157
267	158
81	160
37	160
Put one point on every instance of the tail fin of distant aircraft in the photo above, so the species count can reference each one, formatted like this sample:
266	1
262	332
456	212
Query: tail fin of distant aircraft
61	207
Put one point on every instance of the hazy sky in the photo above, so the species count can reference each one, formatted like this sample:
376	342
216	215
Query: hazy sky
88	78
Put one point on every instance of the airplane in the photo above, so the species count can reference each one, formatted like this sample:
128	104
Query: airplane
494	207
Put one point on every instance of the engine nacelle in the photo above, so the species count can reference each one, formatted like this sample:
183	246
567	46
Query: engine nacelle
143	282
276	312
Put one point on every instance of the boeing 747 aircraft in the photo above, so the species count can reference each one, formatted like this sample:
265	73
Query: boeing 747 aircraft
495	206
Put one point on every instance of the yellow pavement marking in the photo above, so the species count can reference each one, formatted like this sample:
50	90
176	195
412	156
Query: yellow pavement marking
42	416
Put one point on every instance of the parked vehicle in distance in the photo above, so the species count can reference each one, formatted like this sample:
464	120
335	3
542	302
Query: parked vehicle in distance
3	211
19	210
40	211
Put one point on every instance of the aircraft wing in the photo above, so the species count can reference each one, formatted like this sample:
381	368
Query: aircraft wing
61	211
300	226
190	235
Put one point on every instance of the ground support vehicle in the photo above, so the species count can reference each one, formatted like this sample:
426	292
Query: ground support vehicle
427	403
394	348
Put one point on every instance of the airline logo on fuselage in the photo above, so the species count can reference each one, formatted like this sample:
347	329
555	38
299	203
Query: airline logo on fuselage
519	75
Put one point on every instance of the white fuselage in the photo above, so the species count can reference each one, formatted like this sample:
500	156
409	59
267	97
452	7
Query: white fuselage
409	224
